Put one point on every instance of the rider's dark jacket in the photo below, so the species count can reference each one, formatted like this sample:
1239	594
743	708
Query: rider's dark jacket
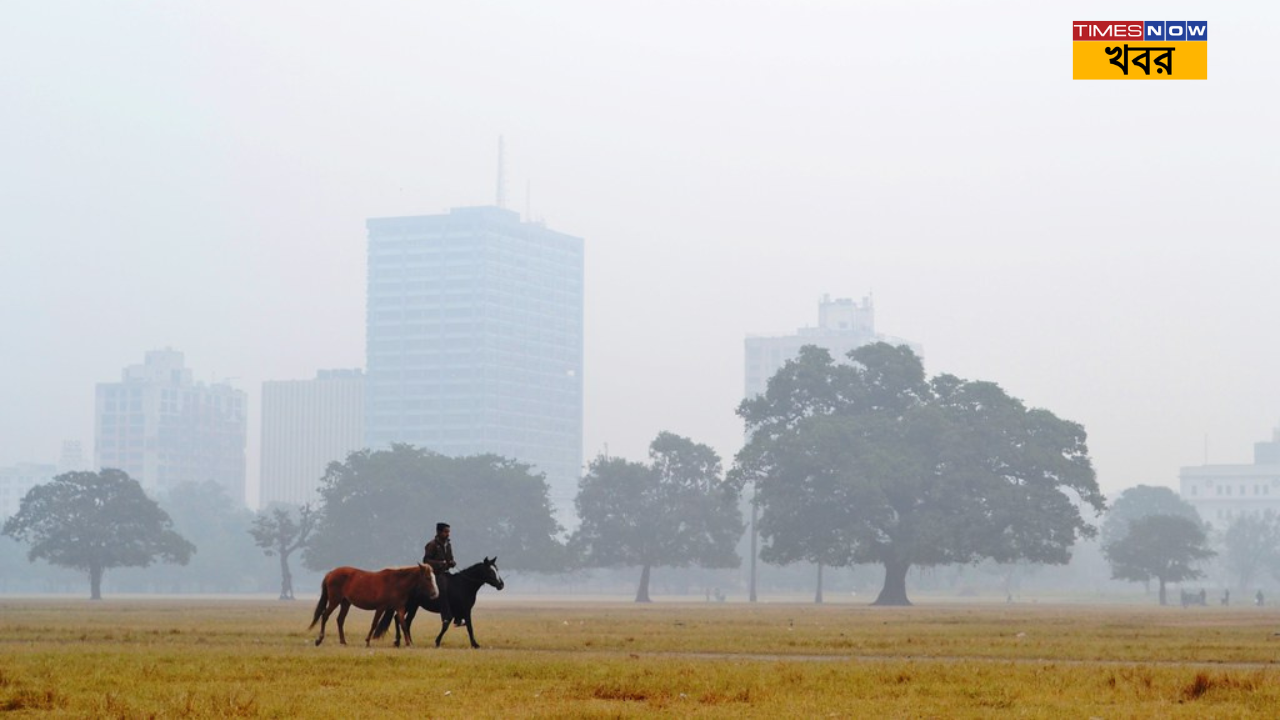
439	555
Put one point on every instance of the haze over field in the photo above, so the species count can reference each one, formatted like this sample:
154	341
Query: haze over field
199	177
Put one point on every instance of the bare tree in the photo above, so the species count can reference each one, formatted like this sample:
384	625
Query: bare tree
277	534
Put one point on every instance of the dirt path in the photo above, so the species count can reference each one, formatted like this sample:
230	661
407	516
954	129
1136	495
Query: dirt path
769	657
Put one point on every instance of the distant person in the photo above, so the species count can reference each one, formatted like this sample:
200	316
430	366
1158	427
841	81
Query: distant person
1258	600
439	555
1226	598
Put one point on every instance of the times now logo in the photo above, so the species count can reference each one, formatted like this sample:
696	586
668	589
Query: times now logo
1160	30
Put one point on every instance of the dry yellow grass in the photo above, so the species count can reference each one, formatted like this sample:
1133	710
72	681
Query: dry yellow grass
256	659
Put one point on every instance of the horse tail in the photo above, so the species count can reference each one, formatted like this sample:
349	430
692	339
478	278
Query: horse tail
384	624
324	600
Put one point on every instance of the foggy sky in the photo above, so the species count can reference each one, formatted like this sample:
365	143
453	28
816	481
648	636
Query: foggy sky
198	176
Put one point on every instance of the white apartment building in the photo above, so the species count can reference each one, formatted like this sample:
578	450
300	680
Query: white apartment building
163	428
17	480
843	325
1221	493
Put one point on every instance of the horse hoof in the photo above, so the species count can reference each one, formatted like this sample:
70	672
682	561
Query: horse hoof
318	641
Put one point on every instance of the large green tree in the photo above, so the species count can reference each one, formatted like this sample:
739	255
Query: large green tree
93	521
278	534
870	462
206	515
1167	548
674	511
379	508
1140	501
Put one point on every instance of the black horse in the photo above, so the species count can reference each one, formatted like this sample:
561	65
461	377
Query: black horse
463	586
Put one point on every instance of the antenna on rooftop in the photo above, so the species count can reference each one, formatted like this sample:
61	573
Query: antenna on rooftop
502	172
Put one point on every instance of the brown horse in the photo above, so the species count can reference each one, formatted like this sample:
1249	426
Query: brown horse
384	590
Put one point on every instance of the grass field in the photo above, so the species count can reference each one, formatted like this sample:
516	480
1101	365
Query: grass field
238	658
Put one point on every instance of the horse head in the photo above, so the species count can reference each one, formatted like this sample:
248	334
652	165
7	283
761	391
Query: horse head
433	590
491	573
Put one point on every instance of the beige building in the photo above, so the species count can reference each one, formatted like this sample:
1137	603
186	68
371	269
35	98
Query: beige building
307	424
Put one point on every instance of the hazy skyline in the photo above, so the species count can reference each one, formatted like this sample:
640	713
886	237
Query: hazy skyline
198	177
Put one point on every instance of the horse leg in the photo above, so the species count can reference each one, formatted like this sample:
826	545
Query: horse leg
410	612
471	633
444	628
324	620
342	618
377	615
402	621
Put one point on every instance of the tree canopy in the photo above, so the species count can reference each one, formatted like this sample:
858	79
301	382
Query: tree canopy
1250	546
1165	547
378	509
871	462
674	511
93	521
1141	501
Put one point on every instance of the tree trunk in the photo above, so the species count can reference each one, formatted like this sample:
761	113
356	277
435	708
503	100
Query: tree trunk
1162	598
894	591
95	582
642	593
286	579
817	596
755	514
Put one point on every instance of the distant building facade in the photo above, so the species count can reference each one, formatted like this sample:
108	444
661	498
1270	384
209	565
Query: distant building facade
17	480
843	325
163	428
72	458
307	424
475	340
1221	493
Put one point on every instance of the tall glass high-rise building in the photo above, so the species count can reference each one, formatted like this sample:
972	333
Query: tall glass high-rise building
474	340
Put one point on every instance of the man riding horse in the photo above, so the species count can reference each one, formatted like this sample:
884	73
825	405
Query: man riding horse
439	555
